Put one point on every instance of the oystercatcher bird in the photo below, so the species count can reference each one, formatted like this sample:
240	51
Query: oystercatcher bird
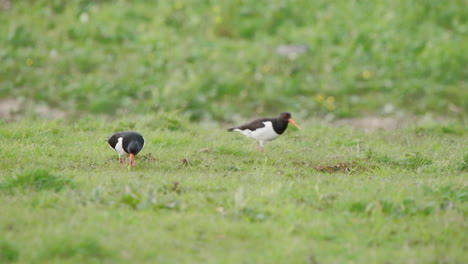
265	129
129	142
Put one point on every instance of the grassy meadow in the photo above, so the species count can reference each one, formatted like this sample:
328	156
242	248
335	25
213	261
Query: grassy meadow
205	58
323	194
180	73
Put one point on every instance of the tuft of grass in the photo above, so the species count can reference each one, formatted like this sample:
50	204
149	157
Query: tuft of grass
137	199
463	165
254	215
408	160
412	160
405	208
79	249
449	193
37	180
232	150
441	130
8	252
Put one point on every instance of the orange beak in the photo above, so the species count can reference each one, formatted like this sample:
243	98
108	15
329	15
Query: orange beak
131	162
294	123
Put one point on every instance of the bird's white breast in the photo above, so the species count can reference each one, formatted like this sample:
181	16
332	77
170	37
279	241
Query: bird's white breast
265	133
119	146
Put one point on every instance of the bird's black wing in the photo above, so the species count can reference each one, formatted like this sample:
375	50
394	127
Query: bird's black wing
112	140
256	124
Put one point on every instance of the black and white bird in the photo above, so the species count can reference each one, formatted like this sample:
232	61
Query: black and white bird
265	129
129	142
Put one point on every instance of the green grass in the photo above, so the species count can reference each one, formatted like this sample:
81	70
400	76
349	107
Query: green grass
202	195
35	180
205	58
8	252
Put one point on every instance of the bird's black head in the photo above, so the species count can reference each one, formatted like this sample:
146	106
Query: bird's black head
134	147
285	116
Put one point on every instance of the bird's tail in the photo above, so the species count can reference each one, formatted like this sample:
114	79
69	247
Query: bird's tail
231	129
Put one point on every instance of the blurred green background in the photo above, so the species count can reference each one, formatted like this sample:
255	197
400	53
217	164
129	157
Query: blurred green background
219	59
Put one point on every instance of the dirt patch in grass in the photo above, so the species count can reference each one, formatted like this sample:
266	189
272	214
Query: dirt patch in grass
337	167
15	109
10	109
372	123
148	157
346	167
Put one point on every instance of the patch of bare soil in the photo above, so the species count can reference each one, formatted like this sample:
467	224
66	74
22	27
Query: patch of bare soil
372	123
14	109
48	112
337	167
10	109
148	157
345	167
5	4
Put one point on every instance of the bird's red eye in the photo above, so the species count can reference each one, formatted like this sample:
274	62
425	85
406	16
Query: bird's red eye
285	115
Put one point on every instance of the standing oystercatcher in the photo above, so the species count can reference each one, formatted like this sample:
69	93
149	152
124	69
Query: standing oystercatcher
265	129
130	142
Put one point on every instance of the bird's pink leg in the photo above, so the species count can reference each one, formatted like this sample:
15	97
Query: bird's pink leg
259	148
131	161
120	160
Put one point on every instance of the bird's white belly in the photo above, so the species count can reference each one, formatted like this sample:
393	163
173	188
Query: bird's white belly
119	147
265	133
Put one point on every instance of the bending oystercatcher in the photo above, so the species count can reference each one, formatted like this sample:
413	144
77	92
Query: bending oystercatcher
265	129
130	142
